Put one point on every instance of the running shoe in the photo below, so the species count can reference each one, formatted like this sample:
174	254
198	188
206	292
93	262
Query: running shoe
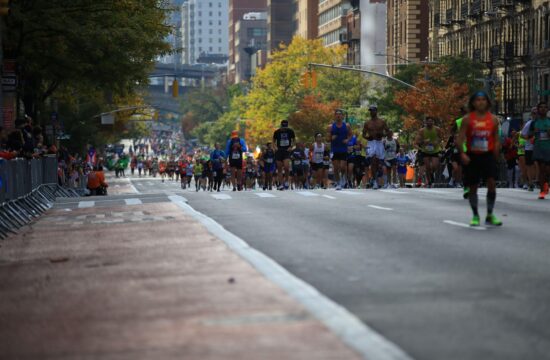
493	220
466	192
338	187
475	221
281	188
542	195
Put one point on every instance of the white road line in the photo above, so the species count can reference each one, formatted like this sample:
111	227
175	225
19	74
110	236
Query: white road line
432	191
306	193
86	204
348	192
150	183
454	223
329	197
366	341
264	195
133	201
395	192
380	208
133	187
177	198
221	196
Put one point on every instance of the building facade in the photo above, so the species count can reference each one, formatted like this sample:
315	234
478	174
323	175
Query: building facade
333	27
512	38
373	35
280	23
353	34
407	32
250	38
306	18
237	9
207	24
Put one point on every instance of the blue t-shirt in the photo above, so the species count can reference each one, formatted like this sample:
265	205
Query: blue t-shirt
402	161
338	145
216	157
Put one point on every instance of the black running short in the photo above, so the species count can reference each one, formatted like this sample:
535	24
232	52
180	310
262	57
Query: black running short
481	167
340	156
282	155
529	158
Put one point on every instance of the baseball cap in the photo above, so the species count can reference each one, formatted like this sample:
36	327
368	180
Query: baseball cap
373	107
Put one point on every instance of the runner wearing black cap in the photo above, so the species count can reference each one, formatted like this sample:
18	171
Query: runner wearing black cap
284	138
479	132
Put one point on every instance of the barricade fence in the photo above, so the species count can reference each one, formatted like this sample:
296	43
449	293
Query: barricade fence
27	189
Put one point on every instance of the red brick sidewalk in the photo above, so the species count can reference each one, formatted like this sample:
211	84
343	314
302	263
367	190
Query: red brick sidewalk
144	282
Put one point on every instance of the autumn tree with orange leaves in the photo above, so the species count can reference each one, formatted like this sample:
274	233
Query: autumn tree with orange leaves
437	95
312	116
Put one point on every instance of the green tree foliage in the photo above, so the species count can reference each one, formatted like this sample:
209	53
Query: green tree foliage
89	49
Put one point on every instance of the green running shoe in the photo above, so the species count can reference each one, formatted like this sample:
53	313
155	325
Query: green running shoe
493	220
475	221
466	193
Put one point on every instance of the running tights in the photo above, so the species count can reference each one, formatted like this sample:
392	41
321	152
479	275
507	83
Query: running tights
491	198
473	202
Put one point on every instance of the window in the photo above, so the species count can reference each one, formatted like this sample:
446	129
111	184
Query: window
209	4
330	14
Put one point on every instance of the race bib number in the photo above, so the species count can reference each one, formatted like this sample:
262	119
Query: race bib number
318	158
544	135
430	147
269	161
297	162
284	142
480	144
236	156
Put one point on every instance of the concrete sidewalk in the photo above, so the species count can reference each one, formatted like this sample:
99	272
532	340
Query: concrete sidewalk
144	282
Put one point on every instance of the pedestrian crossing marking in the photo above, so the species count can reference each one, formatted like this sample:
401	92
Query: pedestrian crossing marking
86	204
221	196
329	197
133	201
264	195
307	193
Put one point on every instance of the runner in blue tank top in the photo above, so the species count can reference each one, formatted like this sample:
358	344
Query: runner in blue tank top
339	133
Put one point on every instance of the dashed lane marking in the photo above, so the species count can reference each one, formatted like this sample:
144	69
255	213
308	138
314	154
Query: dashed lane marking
86	204
307	193
348	192
221	196
133	201
380	207
329	197
455	223
394	192
264	195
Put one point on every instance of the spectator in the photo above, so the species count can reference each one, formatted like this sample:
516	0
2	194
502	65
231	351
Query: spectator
96	182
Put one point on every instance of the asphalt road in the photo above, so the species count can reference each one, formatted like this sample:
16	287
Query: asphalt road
406	263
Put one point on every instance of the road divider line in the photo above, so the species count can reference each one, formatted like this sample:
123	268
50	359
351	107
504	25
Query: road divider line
221	196
348	192
264	195
395	192
359	336
455	223
307	193
133	201
380	207
86	204
329	197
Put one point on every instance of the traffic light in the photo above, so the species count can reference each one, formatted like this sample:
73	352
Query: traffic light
5	7
498	93
175	88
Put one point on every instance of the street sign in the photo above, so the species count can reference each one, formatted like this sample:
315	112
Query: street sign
9	83
107	119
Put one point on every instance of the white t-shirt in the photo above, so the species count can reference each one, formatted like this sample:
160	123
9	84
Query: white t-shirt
525	132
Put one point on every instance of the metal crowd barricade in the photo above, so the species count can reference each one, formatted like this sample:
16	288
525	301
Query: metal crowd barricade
27	188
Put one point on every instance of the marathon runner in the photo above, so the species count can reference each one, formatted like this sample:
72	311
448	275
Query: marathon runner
268	163
234	149
479	131
402	162
283	138
298	157
459	166
374	131
352	154
428	142
391	147
540	130
339	134
217	158
318	150
529	146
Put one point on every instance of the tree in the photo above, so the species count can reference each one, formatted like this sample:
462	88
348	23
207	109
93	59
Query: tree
83	46
438	95
312	117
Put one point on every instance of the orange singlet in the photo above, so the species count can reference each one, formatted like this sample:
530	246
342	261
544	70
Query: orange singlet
481	134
